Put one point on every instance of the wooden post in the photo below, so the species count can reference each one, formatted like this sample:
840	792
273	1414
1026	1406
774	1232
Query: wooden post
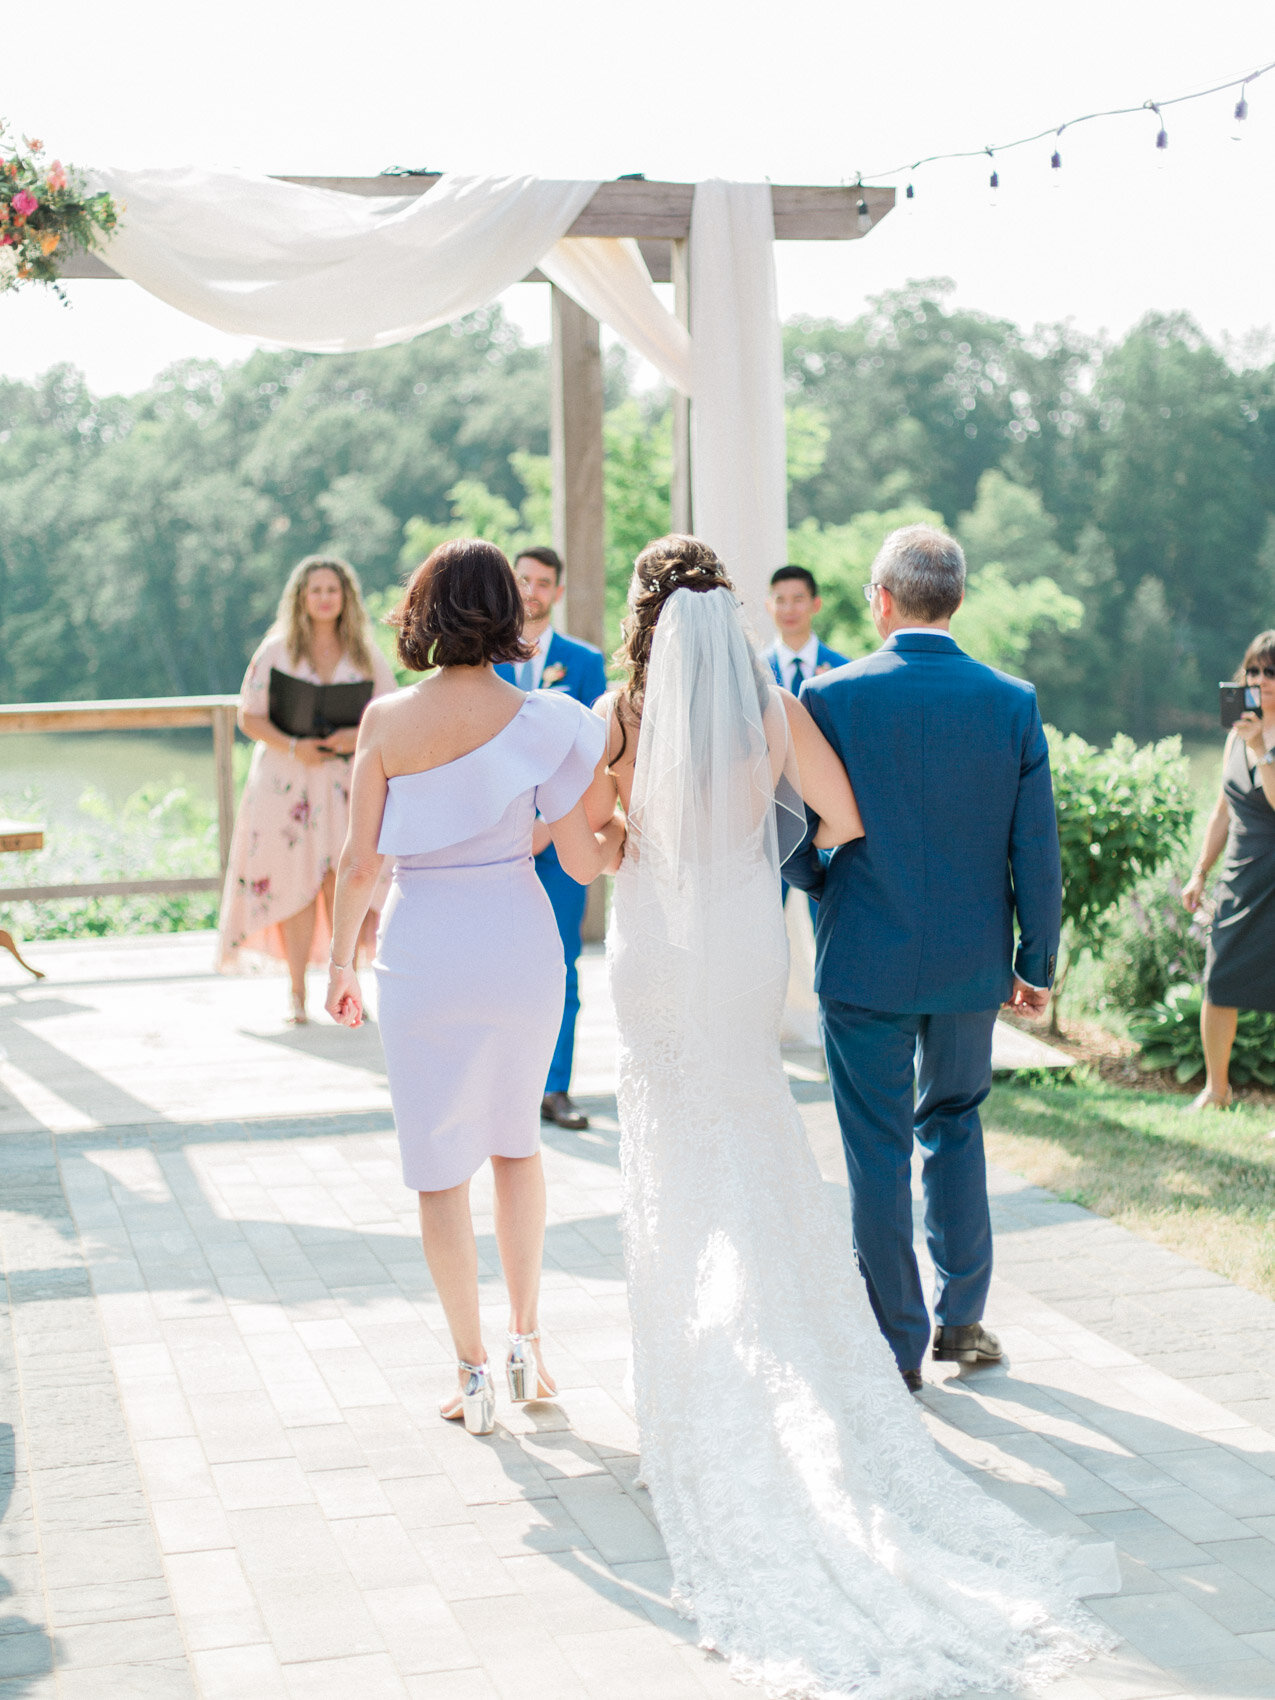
681	514
579	507
575	439
223	730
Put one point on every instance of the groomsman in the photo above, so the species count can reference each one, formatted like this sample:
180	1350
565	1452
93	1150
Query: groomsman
797	654
578	670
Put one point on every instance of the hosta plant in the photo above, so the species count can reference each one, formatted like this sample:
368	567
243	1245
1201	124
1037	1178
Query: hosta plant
1169	1034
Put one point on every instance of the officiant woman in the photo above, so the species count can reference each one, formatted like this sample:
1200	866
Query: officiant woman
292	819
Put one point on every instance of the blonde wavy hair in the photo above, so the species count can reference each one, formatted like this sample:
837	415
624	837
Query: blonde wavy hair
353	627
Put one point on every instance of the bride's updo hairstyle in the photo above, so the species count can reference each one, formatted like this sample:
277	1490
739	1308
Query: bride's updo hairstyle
669	564
461	608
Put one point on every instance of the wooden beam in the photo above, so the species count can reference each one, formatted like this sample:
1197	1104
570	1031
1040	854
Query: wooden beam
657	212
125	714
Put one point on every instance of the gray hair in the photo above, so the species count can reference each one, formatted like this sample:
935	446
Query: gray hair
924	570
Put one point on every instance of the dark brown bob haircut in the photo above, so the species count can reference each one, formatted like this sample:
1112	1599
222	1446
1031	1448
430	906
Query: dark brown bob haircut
461	608
1260	651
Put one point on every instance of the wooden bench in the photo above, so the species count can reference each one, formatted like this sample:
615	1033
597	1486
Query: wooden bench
16	836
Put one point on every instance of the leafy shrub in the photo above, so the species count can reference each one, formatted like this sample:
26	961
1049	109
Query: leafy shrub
1152	944
1169	1034
1122	812
154	834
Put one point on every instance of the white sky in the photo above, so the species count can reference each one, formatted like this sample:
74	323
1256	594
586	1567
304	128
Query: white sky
812	91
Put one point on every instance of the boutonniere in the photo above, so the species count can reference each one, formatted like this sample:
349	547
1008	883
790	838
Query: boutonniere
823	667
552	676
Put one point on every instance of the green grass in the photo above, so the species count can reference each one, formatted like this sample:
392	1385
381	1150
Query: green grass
1203	1185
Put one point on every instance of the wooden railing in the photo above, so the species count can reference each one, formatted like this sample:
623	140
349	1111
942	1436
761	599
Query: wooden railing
143	714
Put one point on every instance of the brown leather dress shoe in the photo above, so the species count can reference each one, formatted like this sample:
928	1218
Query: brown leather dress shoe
557	1107
968	1343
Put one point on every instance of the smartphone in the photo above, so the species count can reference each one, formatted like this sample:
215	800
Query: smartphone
1234	700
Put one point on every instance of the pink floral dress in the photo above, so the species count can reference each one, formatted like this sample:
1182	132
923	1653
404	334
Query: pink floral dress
290	828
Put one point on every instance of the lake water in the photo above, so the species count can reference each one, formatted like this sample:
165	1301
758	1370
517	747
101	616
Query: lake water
60	766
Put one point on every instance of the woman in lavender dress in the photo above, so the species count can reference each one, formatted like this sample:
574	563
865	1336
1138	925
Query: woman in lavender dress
449	776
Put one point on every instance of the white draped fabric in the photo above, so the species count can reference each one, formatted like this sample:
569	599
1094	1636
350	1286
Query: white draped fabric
329	272
739	475
608	277
316	269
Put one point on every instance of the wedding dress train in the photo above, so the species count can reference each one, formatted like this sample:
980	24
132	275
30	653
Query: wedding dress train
821	1540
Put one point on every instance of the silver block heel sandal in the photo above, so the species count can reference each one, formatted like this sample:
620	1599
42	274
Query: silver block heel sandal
522	1369
478	1399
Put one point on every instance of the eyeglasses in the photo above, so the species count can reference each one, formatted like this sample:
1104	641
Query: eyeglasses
1265	672
870	590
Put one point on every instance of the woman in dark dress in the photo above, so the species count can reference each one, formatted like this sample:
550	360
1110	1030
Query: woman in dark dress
1239	972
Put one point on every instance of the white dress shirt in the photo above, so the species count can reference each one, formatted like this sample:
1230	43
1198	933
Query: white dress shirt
538	659
808	655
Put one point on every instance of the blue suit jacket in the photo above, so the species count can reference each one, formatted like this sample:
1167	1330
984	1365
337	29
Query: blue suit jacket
951	772
584	674
584	677
825	658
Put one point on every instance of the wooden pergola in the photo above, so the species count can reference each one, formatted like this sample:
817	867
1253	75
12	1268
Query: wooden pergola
658	216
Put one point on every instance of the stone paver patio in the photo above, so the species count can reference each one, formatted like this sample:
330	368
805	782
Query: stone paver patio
220	1469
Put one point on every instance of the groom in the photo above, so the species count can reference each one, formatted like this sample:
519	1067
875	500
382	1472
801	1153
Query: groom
915	937
574	669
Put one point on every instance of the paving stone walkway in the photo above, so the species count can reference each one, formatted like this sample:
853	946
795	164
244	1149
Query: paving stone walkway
221	1474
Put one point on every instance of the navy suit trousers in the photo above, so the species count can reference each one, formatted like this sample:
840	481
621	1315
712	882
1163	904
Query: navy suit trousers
896	1078
568	898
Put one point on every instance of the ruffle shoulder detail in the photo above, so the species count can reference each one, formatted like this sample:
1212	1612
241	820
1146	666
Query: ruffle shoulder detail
545	748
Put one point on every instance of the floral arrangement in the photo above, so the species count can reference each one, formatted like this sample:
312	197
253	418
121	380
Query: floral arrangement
45	212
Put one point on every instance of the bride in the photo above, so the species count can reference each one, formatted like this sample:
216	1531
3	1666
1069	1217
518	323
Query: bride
815	1532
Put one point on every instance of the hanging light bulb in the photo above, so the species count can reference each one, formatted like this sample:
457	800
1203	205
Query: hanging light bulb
1162	135
1241	105
1055	160
994	181
865	217
908	193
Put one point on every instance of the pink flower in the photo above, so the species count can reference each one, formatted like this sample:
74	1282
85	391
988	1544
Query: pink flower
24	203
8	241
57	175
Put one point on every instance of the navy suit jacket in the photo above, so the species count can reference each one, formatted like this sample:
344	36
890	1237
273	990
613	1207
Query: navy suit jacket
584	674
951	773
825	658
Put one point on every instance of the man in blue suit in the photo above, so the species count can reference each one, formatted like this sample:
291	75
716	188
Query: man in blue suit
915	937
577	669
796	654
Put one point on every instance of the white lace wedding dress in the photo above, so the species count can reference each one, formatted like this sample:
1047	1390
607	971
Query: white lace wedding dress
824	1545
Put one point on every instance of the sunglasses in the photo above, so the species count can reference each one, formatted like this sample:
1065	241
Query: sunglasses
1265	672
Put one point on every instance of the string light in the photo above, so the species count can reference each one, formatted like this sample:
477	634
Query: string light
909	194
865	217
994	181
1162	137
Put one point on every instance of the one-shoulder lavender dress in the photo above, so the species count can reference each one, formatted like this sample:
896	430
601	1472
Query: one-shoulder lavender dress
469	962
